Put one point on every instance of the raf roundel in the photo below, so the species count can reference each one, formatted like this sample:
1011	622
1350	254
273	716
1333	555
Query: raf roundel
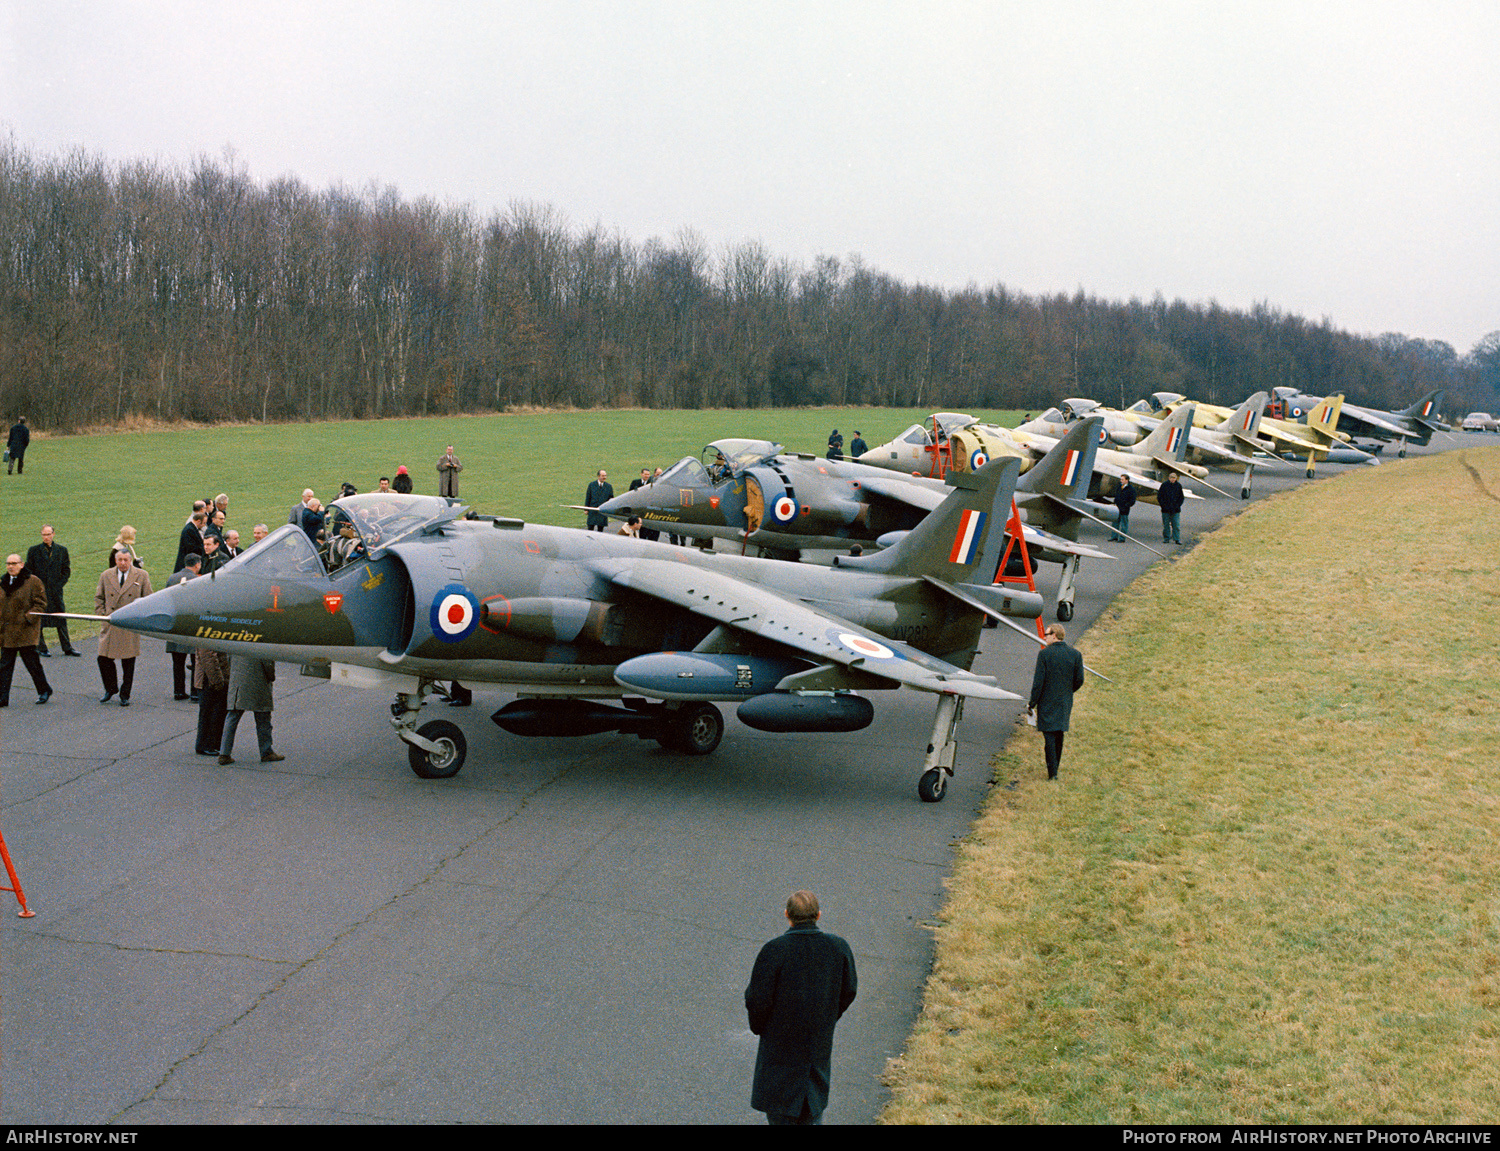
455	613
978	460
865	646
784	510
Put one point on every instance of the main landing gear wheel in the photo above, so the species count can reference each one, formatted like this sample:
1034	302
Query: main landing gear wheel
447	759
696	729
1064	612
933	785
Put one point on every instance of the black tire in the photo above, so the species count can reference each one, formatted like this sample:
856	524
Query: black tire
933	785
696	729
443	764
1064	612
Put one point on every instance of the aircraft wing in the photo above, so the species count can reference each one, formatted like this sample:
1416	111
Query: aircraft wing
1375	425
924	497
761	612
1037	538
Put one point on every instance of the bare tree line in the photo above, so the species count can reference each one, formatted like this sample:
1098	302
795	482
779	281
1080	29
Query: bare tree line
137	290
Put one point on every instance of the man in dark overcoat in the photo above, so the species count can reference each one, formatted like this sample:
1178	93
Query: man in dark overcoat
50	563
1124	500
190	539
1059	673
803	981
16	444
180	651
1169	499
211	682
599	492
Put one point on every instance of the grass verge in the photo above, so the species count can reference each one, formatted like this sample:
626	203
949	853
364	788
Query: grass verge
1266	888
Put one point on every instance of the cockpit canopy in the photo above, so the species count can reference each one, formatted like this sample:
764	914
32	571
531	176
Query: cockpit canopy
950	422
375	522
380	519
720	460
738	455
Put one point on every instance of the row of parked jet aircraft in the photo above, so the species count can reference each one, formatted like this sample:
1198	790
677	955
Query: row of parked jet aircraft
603	633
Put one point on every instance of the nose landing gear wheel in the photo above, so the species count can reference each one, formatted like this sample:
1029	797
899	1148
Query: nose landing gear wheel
933	785
447	759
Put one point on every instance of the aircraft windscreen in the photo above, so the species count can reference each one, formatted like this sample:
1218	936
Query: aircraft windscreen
916	434
686	472
739	454
284	554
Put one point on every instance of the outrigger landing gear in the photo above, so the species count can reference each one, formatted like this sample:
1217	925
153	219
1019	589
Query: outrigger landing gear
1065	591
942	749
436	750
1245	487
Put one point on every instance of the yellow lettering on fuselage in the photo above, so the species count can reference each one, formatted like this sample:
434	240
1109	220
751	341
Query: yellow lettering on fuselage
215	633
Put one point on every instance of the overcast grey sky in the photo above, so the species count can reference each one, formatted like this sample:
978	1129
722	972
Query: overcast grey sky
1333	159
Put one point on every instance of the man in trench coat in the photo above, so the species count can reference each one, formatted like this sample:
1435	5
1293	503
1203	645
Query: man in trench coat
119	585
803	981
448	468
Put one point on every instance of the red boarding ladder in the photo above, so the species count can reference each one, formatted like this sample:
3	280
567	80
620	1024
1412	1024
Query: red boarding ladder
941	450
25	912
1018	539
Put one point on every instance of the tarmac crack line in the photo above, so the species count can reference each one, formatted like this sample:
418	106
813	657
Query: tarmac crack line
434	872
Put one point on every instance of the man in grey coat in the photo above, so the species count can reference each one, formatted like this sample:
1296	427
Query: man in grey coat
448	468
250	682
1059	673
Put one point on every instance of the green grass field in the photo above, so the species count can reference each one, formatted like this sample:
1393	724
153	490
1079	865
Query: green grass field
1267	888
529	465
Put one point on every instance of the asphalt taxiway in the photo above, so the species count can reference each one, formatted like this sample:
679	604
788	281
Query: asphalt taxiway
561	933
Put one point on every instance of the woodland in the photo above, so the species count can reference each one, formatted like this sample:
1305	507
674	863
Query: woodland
142	291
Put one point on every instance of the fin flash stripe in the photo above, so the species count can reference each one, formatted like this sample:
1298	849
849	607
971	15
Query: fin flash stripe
966	542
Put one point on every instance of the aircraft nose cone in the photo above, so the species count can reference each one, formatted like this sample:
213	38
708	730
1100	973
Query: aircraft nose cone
143	615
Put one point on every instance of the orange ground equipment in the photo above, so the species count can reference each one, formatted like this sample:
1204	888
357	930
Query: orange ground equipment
10	870
1018	540
941	452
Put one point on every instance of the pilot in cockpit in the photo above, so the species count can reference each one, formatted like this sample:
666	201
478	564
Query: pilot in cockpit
345	547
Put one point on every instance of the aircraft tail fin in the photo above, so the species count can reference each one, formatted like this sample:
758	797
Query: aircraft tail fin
1066	470
1425	408
1323	418
962	538
1170	439
1245	419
